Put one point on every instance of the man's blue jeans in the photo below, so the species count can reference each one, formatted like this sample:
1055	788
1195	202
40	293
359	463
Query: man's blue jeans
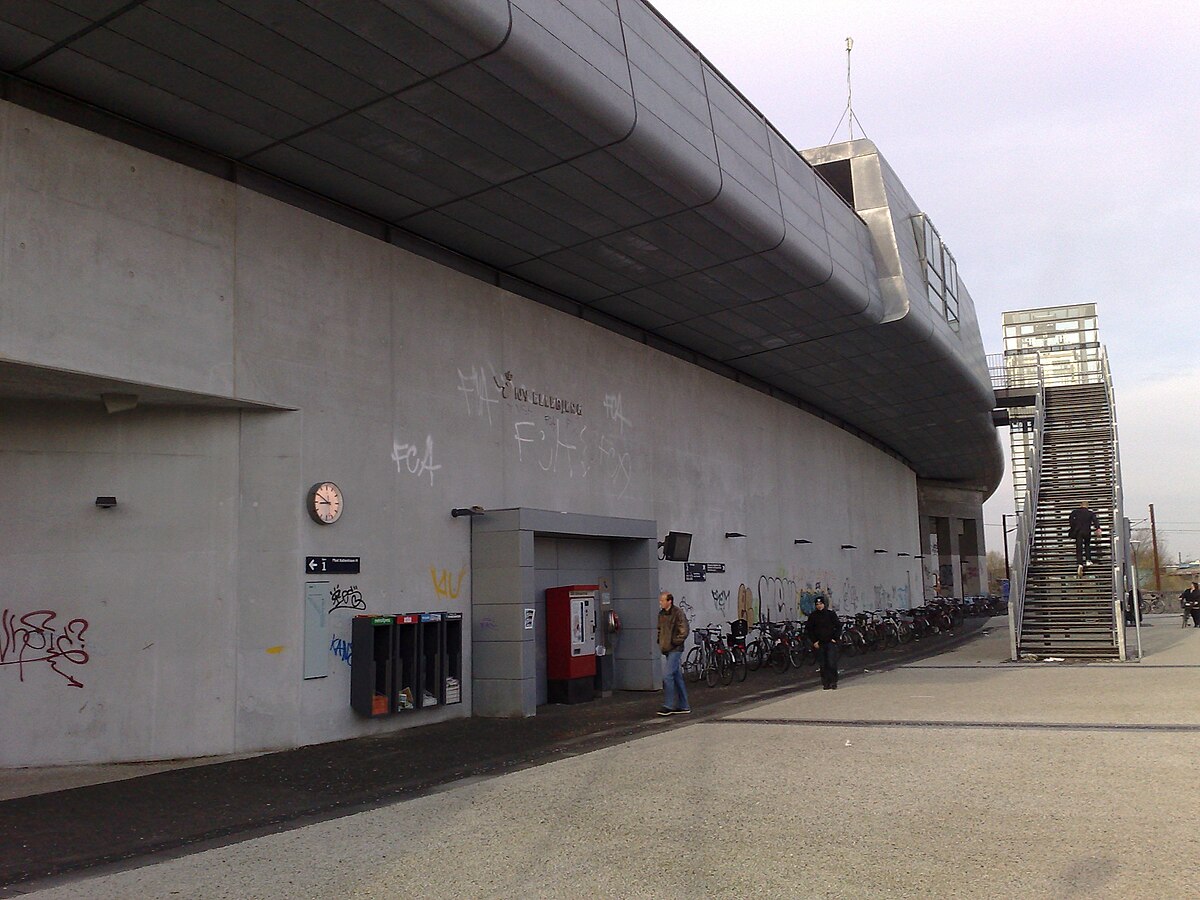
675	694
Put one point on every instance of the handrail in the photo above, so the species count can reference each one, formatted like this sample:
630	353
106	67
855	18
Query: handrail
1025	522
1118	537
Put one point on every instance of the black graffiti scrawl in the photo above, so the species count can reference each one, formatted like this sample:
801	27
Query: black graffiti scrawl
34	638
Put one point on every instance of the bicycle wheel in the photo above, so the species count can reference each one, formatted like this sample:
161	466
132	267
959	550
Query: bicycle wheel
740	666
754	655
725	661
780	659
711	669
847	643
692	663
796	652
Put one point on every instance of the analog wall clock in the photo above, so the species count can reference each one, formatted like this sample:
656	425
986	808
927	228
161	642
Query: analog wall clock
325	502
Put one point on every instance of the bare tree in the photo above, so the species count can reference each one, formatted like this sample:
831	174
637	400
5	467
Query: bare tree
995	571
1143	555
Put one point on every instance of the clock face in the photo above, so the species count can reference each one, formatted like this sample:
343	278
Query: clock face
325	502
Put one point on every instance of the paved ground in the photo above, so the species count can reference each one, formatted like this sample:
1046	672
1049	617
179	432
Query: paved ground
958	775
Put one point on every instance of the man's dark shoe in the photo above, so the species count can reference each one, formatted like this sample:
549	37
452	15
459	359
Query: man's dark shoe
681	712
665	712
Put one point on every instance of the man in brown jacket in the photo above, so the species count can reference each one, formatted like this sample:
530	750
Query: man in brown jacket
673	630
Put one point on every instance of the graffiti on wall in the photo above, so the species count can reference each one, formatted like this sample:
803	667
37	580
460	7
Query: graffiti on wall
34	637
554	434
346	598
341	648
480	391
410	458
792	595
445	583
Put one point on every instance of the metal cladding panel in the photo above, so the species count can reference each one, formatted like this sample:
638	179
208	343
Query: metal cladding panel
133	98
699	336
212	67
415	134
449	231
627	309
668	81
500	104
568	282
536	65
32	28
367	195
607	199
372	153
800	200
592	27
300	44
744	150
584	215
18	45
494	147
674	300
581	146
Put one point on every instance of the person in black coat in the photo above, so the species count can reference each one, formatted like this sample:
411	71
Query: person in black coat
823	629
1190	600
1082	524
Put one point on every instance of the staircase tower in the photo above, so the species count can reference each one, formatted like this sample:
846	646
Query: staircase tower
1054	378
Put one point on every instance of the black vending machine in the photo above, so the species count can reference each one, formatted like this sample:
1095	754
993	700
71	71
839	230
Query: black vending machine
371	664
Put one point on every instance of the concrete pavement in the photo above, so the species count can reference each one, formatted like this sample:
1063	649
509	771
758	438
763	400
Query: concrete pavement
960	775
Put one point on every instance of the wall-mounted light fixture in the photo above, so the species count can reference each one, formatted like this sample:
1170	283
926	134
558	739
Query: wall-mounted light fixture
468	511
116	403
849	547
733	534
902	553
106	502
877	550
801	541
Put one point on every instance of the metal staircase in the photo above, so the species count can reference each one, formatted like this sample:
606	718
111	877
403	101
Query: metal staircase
1054	388
1066	614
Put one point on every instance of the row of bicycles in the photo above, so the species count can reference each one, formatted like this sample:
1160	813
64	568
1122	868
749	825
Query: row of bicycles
719	656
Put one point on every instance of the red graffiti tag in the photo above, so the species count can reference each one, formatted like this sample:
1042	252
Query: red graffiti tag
33	638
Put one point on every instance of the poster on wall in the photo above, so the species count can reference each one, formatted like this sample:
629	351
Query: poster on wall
316	629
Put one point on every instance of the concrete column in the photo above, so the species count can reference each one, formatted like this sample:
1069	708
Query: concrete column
503	655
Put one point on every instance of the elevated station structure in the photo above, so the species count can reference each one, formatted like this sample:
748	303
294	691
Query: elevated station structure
536	262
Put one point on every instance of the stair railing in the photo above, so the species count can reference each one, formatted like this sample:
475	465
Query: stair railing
1025	523
1118	538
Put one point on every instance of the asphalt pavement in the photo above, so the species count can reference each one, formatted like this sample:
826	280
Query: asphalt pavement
58	835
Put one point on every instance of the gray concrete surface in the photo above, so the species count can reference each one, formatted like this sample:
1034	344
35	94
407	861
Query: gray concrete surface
956	776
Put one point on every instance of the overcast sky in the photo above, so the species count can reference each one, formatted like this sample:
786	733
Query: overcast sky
1053	143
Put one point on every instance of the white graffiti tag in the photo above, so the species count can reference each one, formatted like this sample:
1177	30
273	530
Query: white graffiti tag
408	456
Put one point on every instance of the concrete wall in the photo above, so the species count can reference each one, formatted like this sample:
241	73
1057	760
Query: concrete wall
177	618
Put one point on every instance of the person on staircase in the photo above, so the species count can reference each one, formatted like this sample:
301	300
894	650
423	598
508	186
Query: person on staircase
1082	525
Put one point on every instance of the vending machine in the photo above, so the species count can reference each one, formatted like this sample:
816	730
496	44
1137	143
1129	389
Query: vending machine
571	643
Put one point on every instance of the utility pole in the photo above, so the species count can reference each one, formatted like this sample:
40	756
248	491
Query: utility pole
1154	543
1004	526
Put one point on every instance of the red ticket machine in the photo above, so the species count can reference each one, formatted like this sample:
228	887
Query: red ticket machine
571	643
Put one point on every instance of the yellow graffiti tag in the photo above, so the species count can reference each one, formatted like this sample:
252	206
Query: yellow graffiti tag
444	582
275	650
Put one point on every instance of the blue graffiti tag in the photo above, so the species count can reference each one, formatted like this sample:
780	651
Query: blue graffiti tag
341	648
